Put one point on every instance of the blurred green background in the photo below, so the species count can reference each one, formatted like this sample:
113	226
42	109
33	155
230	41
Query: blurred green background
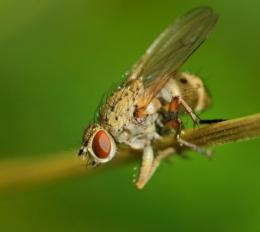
58	58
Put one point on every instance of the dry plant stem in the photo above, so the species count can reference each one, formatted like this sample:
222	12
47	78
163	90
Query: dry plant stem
218	133
23	173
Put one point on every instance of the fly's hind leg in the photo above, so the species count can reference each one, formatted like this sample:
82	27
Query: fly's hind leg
150	164
176	123
175	104
196	148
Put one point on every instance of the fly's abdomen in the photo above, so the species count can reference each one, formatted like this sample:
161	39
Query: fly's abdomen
190	88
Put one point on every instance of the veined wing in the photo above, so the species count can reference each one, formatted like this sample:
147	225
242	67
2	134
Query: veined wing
171	49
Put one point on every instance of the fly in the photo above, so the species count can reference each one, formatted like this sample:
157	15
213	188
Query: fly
152	97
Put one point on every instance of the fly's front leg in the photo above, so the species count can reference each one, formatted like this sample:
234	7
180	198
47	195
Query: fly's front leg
161	155
150	164
147	161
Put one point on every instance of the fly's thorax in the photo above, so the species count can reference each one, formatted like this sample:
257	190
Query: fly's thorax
190	88
98	146
136	134
118	111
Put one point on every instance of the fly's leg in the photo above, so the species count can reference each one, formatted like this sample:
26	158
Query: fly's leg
196	148
173	109
176	123
147	161
161	155
150	164
174	105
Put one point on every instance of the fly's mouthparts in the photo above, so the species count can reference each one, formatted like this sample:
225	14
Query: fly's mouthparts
82	151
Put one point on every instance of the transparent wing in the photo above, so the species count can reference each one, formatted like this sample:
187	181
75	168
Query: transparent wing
172	48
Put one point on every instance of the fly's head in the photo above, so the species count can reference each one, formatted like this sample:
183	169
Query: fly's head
98	146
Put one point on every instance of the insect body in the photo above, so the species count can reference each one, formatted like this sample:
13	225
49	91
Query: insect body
152	97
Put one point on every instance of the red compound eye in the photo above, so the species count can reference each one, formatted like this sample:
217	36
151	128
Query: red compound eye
101	144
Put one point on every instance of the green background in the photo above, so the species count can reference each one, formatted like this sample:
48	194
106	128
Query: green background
58	58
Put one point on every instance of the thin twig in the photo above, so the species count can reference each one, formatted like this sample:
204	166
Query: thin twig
19	173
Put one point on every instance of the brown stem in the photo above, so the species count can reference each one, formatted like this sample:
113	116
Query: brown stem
27	172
